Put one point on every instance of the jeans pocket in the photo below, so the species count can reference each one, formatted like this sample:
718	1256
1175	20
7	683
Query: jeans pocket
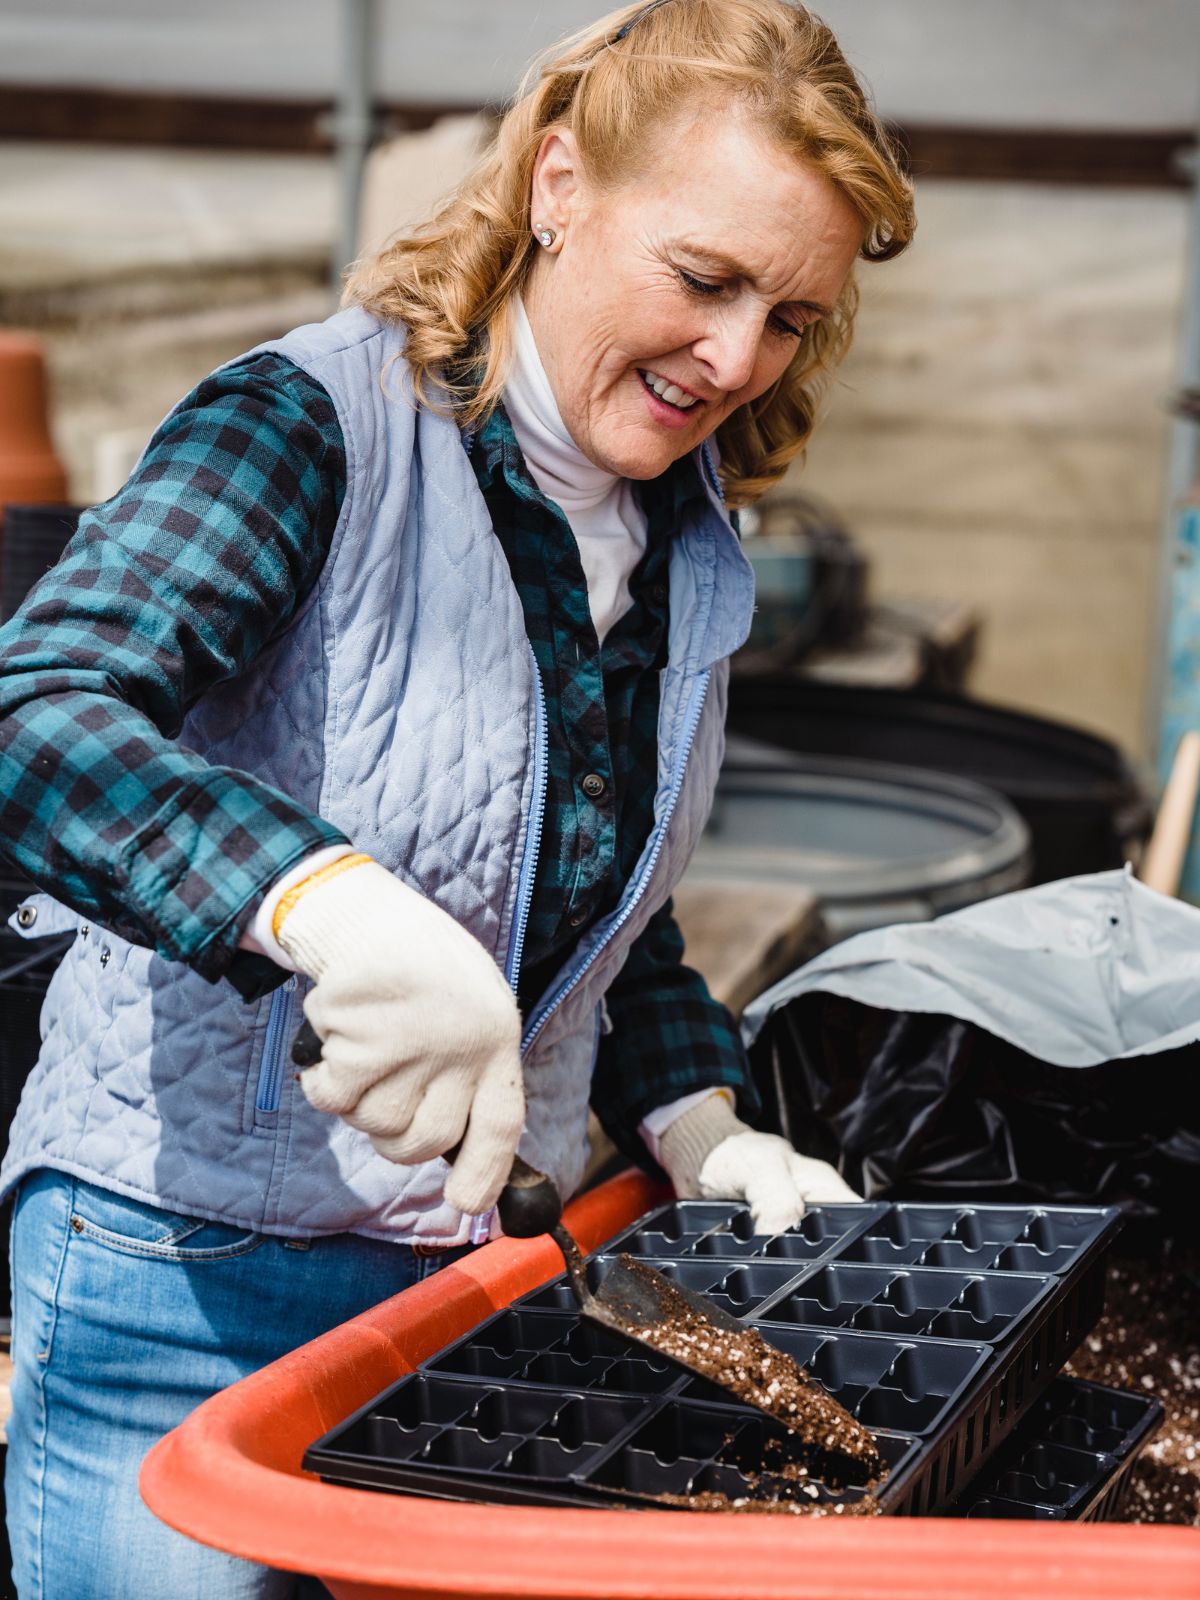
134	1228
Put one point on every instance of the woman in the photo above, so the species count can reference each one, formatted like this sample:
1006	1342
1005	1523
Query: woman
390	689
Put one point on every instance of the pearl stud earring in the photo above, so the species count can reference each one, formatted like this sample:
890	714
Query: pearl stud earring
546	236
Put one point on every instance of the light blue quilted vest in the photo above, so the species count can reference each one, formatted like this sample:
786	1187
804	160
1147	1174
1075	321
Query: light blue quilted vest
402	704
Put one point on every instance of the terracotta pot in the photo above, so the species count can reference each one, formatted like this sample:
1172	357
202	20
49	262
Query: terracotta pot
30	471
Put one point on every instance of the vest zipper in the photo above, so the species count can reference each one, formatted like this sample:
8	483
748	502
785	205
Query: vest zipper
481	1227
270	1070
533	837
541	1016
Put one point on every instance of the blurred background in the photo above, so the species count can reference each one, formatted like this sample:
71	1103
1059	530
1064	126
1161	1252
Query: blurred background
177	181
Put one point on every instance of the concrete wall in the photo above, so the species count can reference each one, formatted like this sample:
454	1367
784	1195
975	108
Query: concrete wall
1070	63
999	433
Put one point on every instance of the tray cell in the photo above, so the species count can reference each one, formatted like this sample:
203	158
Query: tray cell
905	1225
674	1229
1028	1258
881	1251
420	1401
382	1438
954	1254
556	1296
464	1449
548	1458
509	1410
591	1420
889	1408
565	1371
634	1376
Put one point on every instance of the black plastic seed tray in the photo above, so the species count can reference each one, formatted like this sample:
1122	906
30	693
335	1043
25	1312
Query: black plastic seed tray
1070	1458
976	1238
980	1306
524	1445
967	1238
940	1360
555	1350
903	1386
715	1228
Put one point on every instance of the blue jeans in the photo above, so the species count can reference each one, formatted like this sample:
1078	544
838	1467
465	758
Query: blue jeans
126	1317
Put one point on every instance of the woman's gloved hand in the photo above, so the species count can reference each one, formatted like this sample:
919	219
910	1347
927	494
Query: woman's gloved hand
420	1033
710	1154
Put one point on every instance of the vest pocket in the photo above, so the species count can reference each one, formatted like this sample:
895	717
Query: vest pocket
276	1051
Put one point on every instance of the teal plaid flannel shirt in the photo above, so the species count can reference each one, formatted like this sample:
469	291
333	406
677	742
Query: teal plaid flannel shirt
180	580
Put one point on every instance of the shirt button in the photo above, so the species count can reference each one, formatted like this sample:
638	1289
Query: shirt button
593	786
578	917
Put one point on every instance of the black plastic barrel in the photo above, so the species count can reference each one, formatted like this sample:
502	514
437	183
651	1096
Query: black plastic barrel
1083	804
31	540
876	845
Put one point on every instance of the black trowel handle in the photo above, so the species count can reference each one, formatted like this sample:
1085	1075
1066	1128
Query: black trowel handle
306	1046
529	1204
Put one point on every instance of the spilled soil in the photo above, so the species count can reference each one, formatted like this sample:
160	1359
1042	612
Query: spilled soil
1149	1341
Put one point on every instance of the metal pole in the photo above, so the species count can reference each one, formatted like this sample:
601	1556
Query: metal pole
353	127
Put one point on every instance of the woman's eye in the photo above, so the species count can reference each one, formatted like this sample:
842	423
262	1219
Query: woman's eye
788	330
697	285
779	325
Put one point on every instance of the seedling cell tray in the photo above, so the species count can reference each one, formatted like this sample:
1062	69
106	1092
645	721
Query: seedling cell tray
529	1445
1070	1458
938	1327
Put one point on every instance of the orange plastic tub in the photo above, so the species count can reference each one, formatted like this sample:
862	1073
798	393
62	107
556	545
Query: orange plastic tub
230	1477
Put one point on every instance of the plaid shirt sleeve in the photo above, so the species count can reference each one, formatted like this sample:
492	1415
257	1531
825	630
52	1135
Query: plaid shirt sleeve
669	1038
169	588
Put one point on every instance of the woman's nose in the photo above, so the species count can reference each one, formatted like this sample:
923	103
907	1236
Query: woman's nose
730	351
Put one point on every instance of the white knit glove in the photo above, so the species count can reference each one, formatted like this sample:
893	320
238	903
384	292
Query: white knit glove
420	1032
710	1154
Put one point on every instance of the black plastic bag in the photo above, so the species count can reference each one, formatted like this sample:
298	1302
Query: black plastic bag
914	1106
1043	1045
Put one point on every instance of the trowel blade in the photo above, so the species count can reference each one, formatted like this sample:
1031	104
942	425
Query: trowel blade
633	1298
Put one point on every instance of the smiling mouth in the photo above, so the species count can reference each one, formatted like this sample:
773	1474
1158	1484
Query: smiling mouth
669	393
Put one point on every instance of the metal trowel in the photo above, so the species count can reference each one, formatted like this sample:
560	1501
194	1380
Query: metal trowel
640	1304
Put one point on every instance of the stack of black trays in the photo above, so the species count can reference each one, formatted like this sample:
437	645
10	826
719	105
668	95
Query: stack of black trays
941	1328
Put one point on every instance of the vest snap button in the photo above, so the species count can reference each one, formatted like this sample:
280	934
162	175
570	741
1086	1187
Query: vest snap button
578	918
26	916
104	956
593	786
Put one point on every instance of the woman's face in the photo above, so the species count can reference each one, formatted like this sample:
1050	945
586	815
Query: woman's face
700	275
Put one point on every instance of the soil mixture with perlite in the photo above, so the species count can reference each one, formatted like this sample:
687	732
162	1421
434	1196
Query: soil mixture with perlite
745	1365
1149	1341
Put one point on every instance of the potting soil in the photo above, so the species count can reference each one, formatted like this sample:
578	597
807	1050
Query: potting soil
755	1372
1149	1341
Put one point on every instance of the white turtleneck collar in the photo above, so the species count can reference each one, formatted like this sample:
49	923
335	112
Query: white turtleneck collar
601	507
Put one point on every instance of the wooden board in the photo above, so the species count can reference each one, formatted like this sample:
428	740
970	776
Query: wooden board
742	937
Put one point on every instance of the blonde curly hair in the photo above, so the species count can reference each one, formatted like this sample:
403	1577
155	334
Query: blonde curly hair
451	281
